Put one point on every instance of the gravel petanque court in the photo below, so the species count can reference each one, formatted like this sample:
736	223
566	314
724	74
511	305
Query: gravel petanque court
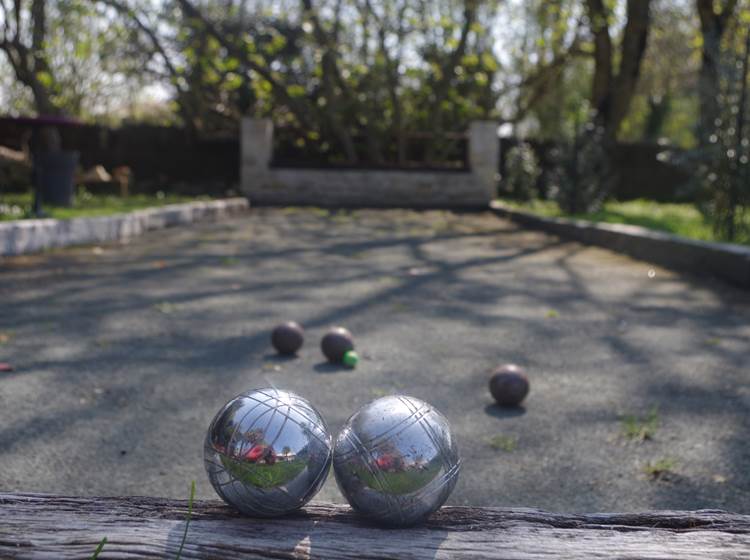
122	354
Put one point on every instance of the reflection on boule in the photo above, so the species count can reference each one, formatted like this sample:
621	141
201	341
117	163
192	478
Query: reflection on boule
267	452
396	461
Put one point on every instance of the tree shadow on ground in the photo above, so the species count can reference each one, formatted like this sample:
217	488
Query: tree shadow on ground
164	361
328	367
280	358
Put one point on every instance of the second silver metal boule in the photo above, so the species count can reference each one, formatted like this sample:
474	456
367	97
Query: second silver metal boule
396	461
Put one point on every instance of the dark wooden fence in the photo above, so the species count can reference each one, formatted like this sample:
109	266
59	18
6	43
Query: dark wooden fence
160	158
169	158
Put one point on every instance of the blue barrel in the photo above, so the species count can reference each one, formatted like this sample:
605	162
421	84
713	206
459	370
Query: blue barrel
54	175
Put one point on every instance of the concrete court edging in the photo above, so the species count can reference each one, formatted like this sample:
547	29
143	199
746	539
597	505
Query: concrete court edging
725	260
20	237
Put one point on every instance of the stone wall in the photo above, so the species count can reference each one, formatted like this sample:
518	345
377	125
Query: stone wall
265	184
20	237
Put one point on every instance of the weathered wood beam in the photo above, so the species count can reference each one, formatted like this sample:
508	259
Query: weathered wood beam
61	527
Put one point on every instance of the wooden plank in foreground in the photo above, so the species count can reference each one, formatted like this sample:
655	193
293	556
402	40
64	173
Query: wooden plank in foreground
47	526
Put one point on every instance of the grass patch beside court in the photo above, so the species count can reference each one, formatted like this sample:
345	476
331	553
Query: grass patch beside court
17	206
680	219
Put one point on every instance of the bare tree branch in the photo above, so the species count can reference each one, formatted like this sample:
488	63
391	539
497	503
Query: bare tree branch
17	11
127	11
6	22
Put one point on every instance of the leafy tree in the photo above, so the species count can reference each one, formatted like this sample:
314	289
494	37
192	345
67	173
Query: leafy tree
716	17
548	66
23	38
336	70
724	163
67	56
664	107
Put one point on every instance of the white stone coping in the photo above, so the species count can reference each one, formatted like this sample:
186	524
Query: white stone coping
727	260
21	237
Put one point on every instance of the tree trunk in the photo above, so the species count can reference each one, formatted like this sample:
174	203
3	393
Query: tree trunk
42	92
601	87
635	40
612	94
708	80
713	26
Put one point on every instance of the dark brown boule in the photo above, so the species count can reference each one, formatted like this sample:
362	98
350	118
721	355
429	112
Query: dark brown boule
287	338
337	342
509	385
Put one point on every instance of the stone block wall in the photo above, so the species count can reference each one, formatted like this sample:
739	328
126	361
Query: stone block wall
264	184
20	237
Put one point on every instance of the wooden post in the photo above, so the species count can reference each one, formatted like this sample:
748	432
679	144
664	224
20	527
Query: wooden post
60	527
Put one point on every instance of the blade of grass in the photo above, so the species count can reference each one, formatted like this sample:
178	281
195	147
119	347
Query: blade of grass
187	524
99	549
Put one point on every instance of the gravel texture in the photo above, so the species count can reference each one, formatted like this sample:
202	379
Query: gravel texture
122	354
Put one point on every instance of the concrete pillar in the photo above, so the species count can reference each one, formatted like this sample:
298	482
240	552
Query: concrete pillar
484	155
256	150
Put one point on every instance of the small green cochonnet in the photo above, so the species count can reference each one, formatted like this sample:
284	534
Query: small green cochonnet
351	359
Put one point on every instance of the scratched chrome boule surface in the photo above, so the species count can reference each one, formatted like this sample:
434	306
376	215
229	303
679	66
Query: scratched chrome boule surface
267	452
395	460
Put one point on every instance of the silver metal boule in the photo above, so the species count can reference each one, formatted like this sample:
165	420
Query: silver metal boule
267	452
395	460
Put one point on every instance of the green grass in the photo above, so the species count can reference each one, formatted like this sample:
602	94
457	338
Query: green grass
263	475
679	219
640	428
399	482
15	206
165	307
99	549
503	443
660	468
187	523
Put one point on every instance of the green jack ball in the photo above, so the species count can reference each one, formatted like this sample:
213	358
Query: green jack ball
509	385
336	343
350	359
287	338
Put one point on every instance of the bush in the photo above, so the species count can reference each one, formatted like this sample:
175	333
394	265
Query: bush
582	175
721	165
724	195
523	171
